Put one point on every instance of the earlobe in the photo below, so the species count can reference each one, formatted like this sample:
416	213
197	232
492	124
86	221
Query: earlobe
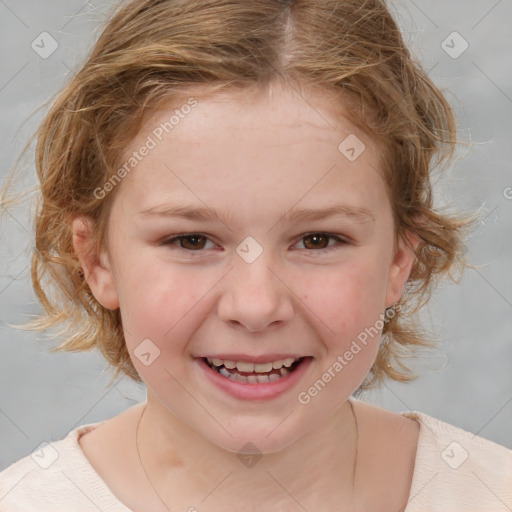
401	268
95	265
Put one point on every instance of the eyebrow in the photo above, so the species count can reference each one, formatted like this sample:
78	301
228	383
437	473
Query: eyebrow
356	213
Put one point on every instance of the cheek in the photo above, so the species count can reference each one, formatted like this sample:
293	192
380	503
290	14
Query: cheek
158	299
347	298
161	307
348	304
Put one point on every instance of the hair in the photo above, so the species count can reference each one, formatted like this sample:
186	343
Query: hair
152	51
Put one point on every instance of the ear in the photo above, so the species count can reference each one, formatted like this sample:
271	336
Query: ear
95	265
401	266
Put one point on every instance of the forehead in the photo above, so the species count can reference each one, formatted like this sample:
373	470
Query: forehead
281	143
310	110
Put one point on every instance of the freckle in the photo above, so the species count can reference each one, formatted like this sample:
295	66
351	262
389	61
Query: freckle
176	461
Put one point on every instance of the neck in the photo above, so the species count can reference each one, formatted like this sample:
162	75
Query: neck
184	467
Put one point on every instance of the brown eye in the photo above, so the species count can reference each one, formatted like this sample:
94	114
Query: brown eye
322	242
190	242
317	241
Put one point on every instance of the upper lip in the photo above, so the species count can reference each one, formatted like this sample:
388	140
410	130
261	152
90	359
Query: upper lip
264	358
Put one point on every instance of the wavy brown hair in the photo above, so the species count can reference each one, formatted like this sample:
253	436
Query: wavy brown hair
152	51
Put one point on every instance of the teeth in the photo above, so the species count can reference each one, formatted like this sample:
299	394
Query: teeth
243	366
253	379
224	372
263	368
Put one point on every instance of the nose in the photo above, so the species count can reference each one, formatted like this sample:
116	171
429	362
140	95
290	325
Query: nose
255	296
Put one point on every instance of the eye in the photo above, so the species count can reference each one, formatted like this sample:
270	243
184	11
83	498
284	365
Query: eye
320	241
196	242
188	241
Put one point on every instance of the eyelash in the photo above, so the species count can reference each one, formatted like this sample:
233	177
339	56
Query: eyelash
340	240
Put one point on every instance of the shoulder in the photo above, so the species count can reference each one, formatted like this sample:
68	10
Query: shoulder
459	468
54	477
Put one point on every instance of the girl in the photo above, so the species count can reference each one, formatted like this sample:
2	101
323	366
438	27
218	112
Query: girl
235	208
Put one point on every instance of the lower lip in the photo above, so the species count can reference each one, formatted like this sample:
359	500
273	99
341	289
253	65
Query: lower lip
259	391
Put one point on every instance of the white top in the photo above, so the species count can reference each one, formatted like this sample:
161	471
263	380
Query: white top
454	471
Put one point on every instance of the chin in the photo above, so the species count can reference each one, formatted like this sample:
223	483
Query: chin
255	435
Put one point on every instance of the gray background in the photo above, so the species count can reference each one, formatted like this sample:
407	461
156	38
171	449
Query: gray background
467	382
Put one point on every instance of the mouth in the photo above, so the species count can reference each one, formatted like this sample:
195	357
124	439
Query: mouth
255	373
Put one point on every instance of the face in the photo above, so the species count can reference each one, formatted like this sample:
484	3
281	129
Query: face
247	235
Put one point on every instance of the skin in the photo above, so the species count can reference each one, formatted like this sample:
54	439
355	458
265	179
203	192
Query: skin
253	158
